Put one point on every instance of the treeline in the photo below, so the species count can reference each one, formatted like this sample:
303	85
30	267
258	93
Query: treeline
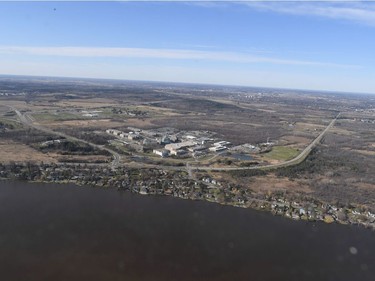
323	160
88	135
74	148
36	138
247	173
314	163
27	136
6	126
24	171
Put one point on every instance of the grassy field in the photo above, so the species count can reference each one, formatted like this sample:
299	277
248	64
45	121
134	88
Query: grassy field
282	153
62	116
10	122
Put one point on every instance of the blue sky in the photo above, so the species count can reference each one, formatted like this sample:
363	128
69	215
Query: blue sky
303	45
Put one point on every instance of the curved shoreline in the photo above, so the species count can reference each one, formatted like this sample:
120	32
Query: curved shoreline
276	205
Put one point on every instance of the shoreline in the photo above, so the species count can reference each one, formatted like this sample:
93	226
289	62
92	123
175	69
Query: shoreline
168	183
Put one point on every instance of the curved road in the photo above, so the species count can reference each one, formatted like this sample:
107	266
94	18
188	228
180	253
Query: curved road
26	120
296	160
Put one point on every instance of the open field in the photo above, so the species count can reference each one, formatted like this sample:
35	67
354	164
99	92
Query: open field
11	151
282	153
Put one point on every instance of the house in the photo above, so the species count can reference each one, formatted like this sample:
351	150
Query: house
173	138
190	137
114	132
143	190
161	152
165	140
134	129
132	136
203	140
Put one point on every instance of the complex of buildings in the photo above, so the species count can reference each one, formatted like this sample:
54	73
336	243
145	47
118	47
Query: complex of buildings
170	142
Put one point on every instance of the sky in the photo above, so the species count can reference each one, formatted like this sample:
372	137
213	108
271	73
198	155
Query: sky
311	45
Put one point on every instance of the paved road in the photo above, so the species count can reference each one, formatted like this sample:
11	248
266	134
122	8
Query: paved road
298	159
28	121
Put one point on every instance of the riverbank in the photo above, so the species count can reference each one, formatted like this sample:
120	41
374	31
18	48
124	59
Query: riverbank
177	184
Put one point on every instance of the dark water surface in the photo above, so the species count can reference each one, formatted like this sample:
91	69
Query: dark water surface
64	232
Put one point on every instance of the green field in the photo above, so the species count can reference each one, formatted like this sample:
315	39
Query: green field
12	123
282	153
61	116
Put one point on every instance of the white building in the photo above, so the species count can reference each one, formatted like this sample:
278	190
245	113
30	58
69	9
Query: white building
217	148
114	132
221	143
179	145
178	152
133	136
161	152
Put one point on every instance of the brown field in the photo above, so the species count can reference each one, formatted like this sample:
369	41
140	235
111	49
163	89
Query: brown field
12	151
273	183
102	123
365	152
84	103
145	123
295	140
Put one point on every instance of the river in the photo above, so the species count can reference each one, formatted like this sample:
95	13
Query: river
64	232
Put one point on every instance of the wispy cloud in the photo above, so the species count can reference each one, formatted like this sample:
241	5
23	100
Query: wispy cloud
362	12
170	54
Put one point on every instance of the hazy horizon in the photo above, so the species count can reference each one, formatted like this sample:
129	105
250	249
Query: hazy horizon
317	46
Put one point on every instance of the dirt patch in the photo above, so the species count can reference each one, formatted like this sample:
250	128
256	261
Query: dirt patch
12	151
340	131
296	140
102	123
366	186
365	152
140	123
273	183
91	103
304	125
84	159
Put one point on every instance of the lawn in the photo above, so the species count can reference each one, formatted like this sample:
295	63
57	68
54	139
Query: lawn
282	153
61	116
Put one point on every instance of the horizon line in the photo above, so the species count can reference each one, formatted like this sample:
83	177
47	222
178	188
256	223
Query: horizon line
176	82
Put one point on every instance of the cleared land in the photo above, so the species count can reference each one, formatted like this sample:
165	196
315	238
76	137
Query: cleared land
282	153
11	151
